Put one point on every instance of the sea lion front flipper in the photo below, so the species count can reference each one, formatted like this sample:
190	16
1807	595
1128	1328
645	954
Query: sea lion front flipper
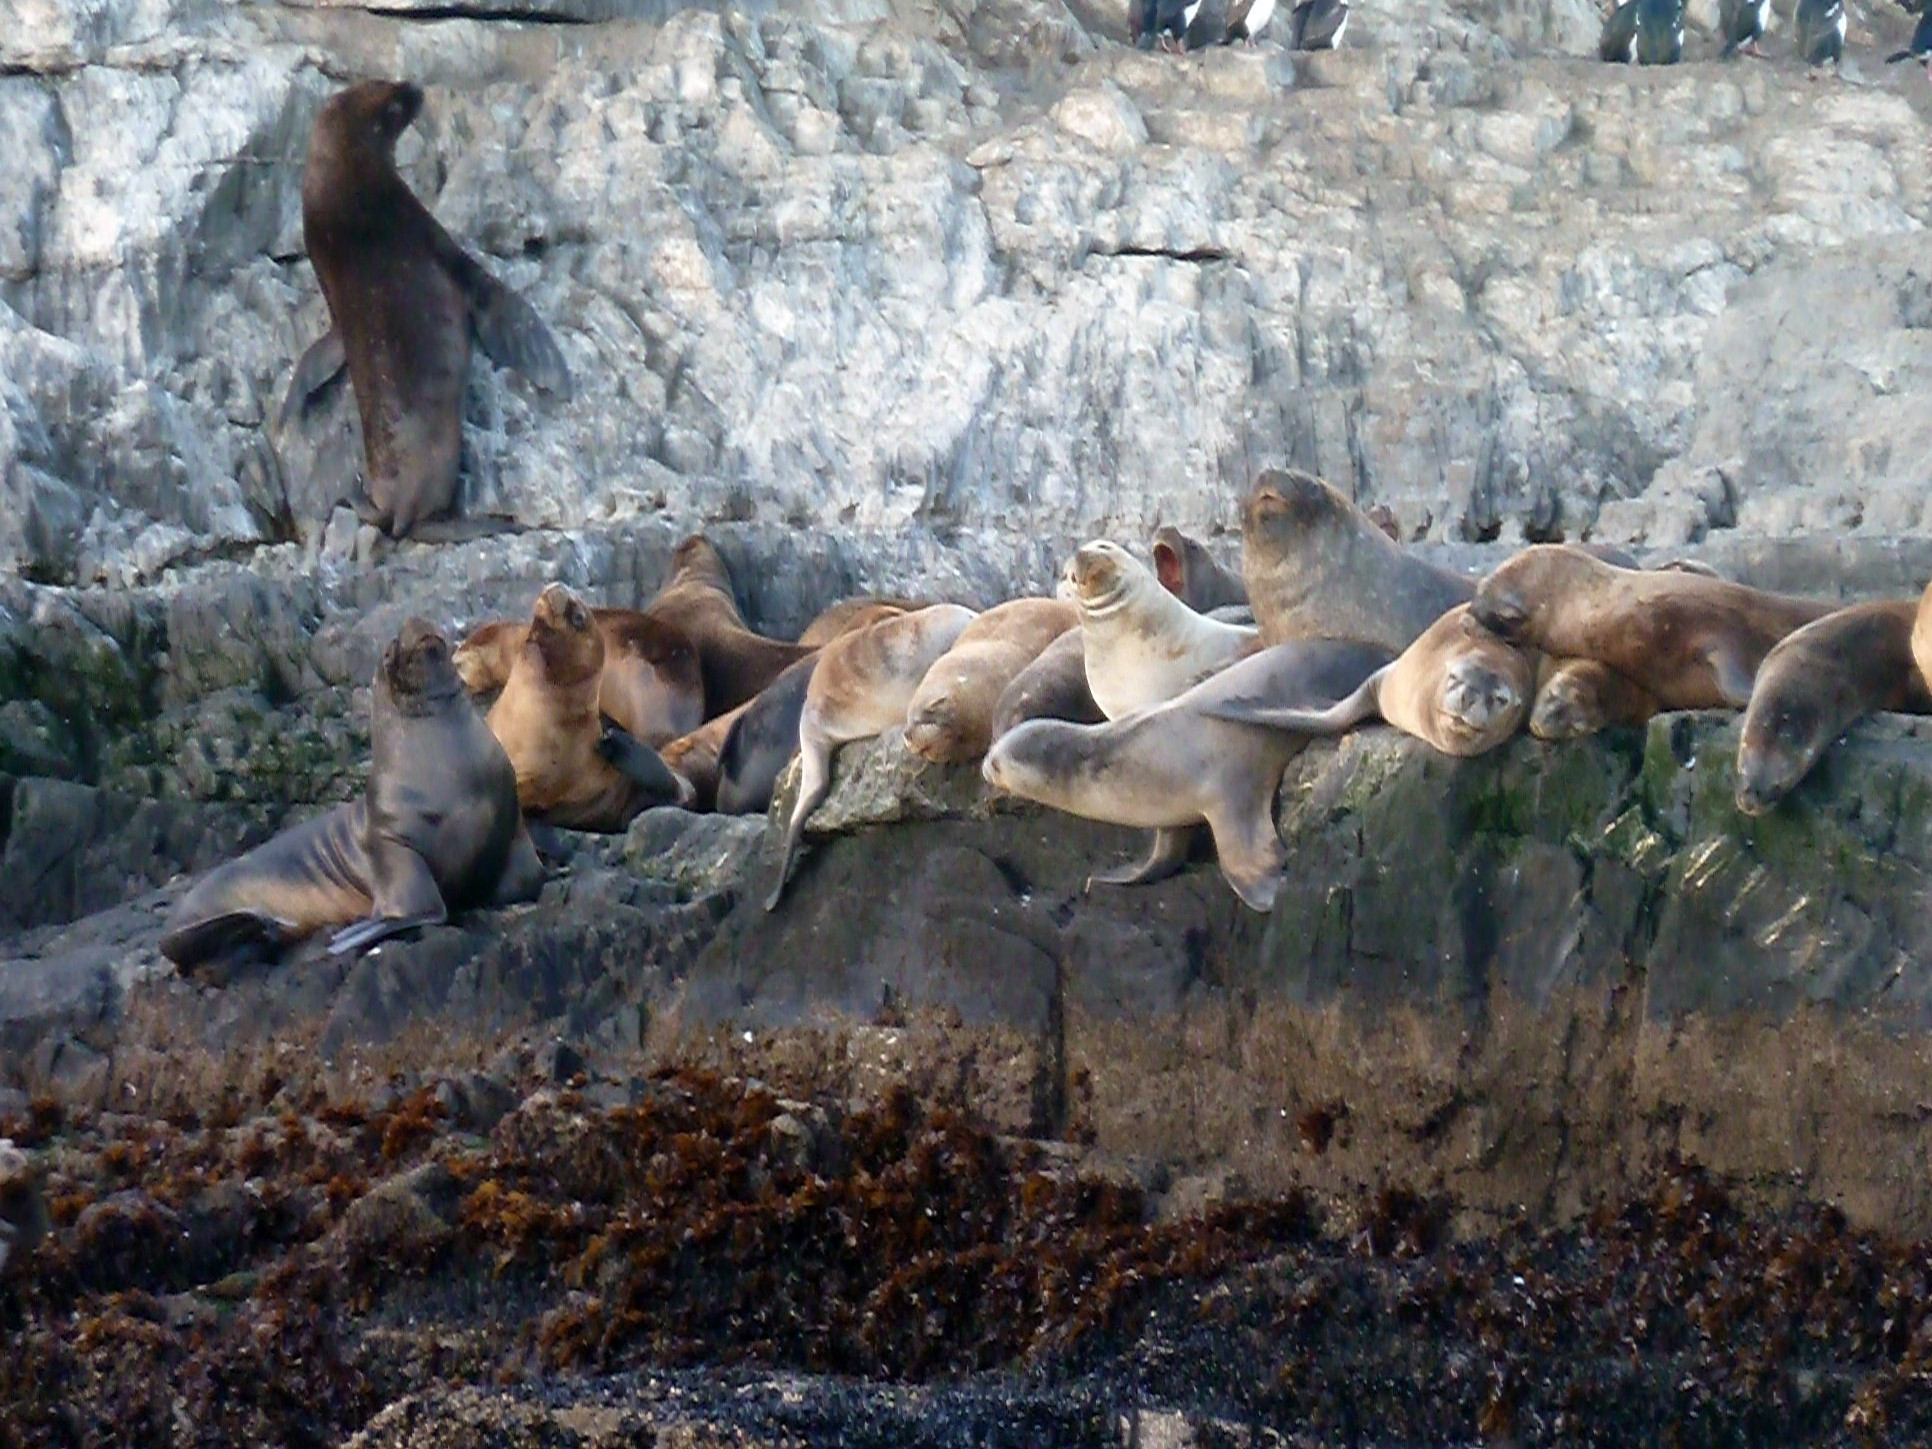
507	328
1363	705
316	369
1734	681
405	896
523	872
643	766
1165	856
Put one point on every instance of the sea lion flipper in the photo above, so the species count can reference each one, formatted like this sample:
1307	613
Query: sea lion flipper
507	327
642	765
1166	855
1734	680
523	872
1363	705
405	896
368	931
317	368
232	939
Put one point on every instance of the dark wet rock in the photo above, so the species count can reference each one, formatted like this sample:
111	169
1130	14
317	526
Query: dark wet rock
476	1101
403	1220
558	1061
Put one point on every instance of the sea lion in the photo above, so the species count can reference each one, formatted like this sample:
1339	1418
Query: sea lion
1317	568
1142	644
1054	686
573	769
1817	683
761	741
651	686
950	718
1458	688
1188	571
854	613
1578	697
436	831
1692	641
404	303
699	599
693	757
1183	762
862	685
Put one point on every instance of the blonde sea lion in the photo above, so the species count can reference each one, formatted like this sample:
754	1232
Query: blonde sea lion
699	599
1690	640
950	718
1458	688
651	687
404	303
1317	567
438	830
1143	645
1578	697
572	769
1817	683
861	687
854	613
1054	686
1185	762
1189	572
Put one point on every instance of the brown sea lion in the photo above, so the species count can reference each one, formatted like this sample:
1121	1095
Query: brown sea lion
698	598
651	687
573	769
1054	686
1818	682
1578	697
950	719
1457	687
1184	762
1189	572
1143	645
854	613
1318	568
762	740
437	830
861	688
404	303
1689	640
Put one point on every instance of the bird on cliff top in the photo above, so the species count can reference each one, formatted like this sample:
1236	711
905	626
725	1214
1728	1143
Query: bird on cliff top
1318	25
1742	24
1821	31
1618	42
1921	46
1164	22
1247	19
1660	32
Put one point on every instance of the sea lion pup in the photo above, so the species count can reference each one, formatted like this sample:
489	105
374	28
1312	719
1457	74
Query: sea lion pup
1317	568
1188	571
1690	640
950	718
1181	763
861	687
573	769
1054	686
651	687
438	830
1578	697
698	598
1458	688
1818	682
1143	645
404	302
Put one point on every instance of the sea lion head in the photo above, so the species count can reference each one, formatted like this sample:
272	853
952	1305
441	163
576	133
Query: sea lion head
1172	555
697	555
1284	506
1567	707
416	668
479	658
1779	743
934	729
564	633
1100	577
371	114
1485	690
1518	593
1038	758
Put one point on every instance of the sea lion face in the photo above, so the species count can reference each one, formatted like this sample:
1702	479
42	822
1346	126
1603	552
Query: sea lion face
1777	748
932	730
1517	593
1484	692
1171	560
476	658
1099	577
1283	505
374	113
1567	708
564	632
416	665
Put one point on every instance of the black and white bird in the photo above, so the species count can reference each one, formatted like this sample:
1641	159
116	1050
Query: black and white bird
1743	23
1618	42
1660	32
1163	22
1921	46
1247	19
1318	25
1821	31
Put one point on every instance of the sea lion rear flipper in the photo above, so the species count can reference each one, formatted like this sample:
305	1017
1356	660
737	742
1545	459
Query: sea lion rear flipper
814	784
507	328
1364	704
317	368
405	896
230	940
643	766
1166	854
